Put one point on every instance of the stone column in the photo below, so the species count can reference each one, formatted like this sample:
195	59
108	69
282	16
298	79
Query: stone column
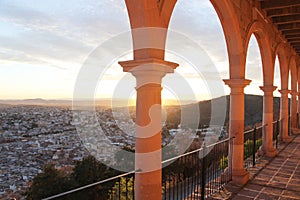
236	129
148	74
284	115
268	148
298	110
293	110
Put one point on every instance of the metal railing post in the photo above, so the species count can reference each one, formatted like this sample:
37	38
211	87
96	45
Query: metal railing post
297	120
203	173
277	133
230	157
254	146
289	125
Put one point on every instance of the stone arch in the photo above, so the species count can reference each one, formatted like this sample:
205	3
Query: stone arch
149	21
149	13
283	65
293	70
294	92
267	57
234	42
281	52
298	77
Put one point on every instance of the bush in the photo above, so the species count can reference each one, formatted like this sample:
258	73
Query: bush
52	181
248	147
48	183
224	162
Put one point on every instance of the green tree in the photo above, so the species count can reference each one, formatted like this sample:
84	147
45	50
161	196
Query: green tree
52	181
48	183
125	158
88	171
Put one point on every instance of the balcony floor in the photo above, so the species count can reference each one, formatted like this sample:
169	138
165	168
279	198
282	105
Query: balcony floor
278	179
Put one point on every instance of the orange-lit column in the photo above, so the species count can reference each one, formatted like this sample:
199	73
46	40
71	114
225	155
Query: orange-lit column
293	111
298	110
148	74
236	129
284	115
268	148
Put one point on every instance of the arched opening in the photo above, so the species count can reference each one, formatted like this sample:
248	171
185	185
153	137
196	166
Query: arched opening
289	95
290	81
202	56
254	68
283	89
290	88
293	84
214	60
277	77
277	95
266	111
236	83
253	94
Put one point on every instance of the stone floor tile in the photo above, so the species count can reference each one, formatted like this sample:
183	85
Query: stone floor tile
267	196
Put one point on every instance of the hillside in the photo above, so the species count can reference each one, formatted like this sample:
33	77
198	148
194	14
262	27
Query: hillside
253	111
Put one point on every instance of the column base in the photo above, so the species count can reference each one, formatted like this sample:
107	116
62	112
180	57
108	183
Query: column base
149	192
271	153
286	139
240	177
295	131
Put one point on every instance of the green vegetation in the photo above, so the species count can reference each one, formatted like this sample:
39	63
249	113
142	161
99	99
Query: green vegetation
123	189
224	162
49	182
248	147
52	181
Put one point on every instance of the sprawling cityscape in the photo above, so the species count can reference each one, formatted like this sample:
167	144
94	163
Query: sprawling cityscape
33	136
236	63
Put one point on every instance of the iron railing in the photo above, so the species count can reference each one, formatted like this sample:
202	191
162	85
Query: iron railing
252	143
276	132
119	187
197	174
194	175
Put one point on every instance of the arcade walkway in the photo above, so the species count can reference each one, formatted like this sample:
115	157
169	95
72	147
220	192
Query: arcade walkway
279	179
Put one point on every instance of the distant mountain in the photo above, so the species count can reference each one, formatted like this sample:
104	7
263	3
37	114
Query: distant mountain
37	101
67	103
99	102
220	108
253	108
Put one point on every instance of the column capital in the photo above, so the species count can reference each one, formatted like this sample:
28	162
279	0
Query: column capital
151	64
294	93
268	88
284	91
148	71
237	85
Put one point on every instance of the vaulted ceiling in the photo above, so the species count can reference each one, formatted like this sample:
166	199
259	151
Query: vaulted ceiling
285	14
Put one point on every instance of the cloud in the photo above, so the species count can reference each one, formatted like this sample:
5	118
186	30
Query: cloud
61	34
199	21
61	31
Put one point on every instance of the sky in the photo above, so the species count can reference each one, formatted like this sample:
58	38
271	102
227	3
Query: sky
44	45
